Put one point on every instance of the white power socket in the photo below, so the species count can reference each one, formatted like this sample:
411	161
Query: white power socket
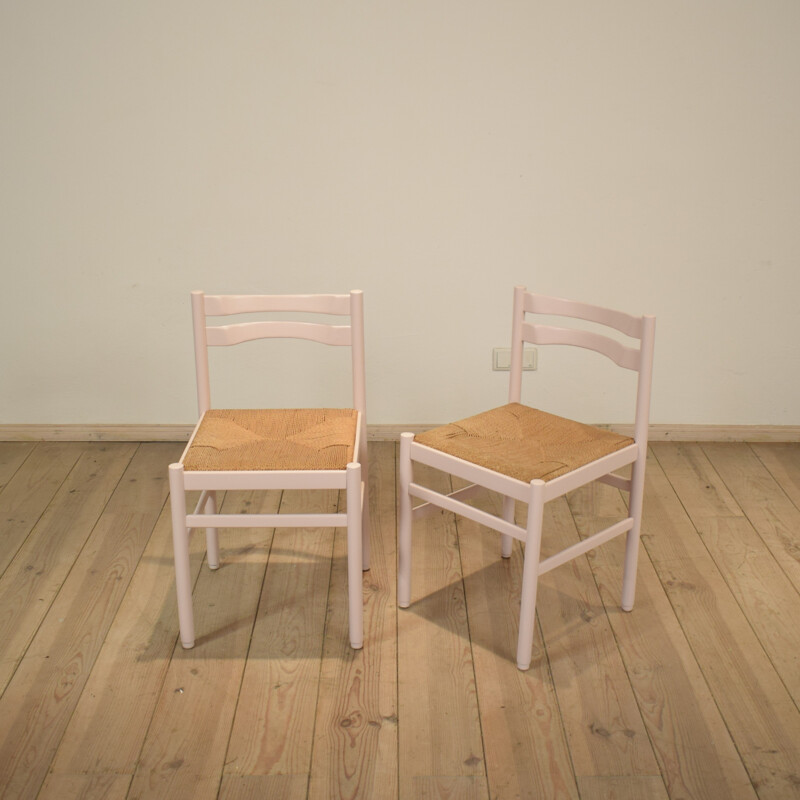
501	358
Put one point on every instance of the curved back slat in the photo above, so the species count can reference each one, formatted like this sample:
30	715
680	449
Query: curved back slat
627	357
226	335
557	306
224	305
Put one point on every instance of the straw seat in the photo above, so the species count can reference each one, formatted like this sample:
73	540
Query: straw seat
273	439
523	442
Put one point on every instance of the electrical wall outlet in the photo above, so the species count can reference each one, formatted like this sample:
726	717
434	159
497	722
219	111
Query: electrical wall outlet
501	358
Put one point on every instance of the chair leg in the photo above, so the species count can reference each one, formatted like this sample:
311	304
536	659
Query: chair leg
530	574
632	538
507	541
365	524
180	544
354	556
404	523
212	540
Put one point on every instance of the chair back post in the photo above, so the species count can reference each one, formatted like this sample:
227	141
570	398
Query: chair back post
201	352
357	351
517	317
644	383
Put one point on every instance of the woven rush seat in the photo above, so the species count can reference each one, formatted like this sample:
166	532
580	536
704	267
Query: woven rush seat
523	442
274	439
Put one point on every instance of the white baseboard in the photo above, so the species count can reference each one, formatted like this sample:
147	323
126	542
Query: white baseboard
382	433
95	433
716	433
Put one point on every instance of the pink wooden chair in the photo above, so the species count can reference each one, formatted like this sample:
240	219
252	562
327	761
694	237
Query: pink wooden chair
321	448
532	456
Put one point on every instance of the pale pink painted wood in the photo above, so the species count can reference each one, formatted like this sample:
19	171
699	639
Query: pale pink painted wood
404	519
212	539
266	479
517	345
592	471
617	481
268	520
638	357
180	541
352	479
201	354
507	541
627	357
447	502
227	335
628	324
224	305
584	546
637	472
469	472
530	574
355	506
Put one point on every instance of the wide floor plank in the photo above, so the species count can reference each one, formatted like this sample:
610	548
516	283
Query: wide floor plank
604	726
633	788
86	787
110	722
12	457
783	461
355	736
764	501
29	490
274	725
42	563
678	708
263	787
40	698
757	581
759	714
437	697
527	755
183	754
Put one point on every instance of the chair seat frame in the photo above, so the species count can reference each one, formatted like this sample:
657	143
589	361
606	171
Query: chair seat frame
352	479
538	492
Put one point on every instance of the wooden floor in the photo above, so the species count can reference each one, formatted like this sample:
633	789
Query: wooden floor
692	695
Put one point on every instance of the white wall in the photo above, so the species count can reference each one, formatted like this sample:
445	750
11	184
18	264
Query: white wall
644	155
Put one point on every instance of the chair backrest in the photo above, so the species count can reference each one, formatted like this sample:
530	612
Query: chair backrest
350	334
638	357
